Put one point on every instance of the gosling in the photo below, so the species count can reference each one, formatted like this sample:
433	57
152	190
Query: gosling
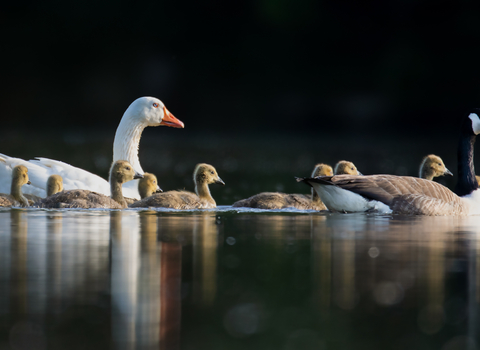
432	166
277	200
344	167
16	197
120	172
203	175
148	185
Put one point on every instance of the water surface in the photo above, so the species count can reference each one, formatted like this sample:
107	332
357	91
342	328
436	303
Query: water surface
237	279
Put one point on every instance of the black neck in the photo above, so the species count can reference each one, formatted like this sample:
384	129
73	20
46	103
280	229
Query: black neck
467	182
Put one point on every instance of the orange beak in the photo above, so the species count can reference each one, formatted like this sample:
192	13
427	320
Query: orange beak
170	120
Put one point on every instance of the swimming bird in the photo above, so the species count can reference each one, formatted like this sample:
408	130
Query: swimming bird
148	185
16	197
278	200
432	166
143	112
405	194
54	184
120	173
346	167
203	175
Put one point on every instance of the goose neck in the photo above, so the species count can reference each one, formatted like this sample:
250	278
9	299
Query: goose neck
315	197
467	182
116	192
16	192
127	140
203	192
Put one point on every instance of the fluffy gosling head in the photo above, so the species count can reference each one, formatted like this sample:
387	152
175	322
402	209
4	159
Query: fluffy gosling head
344	167
148	185
206	174
122	171
54	184
20	176
432	166
322	170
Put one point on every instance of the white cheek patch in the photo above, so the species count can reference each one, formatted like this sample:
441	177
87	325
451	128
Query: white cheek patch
475	123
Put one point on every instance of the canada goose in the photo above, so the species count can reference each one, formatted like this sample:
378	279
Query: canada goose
148	185
203	175
277	200
404	194
432	166
16	197
143	112
120	172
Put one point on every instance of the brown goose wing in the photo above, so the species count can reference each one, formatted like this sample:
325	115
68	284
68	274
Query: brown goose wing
423	205
170	199
387	188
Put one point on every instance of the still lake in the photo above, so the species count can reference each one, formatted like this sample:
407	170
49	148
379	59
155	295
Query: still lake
237	279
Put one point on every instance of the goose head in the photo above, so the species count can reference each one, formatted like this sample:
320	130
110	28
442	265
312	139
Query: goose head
322	170
20	176
344	167
148	185
433	166
205	174
54	184
150	111
122	171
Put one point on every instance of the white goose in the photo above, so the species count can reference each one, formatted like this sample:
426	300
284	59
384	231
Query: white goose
405	194
143	112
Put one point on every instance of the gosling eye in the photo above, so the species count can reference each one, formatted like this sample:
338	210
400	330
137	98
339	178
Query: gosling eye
155	104
154	182
212	172
128	168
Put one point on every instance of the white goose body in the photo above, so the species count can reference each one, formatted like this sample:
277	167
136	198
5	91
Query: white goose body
337	199
143	112
405	194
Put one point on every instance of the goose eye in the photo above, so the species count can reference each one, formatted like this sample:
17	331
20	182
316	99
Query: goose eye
155	104
128	168
212	172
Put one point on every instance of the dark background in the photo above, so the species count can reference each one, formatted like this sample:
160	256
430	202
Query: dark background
324	79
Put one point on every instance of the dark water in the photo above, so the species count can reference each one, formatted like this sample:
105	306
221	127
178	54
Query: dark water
226	279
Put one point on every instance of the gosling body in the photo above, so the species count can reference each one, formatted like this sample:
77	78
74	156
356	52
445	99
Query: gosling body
278	200
120	172
204	175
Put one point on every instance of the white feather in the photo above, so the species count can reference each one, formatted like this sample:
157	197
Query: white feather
338	199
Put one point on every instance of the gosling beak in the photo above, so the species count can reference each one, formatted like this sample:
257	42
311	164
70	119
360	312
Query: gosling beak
220	181
159	190
29	182
170	120
447	172
359	173
138	176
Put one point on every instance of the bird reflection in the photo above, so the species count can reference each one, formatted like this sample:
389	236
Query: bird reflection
321	261
205	244
146	283
124	234
54	259
18	265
